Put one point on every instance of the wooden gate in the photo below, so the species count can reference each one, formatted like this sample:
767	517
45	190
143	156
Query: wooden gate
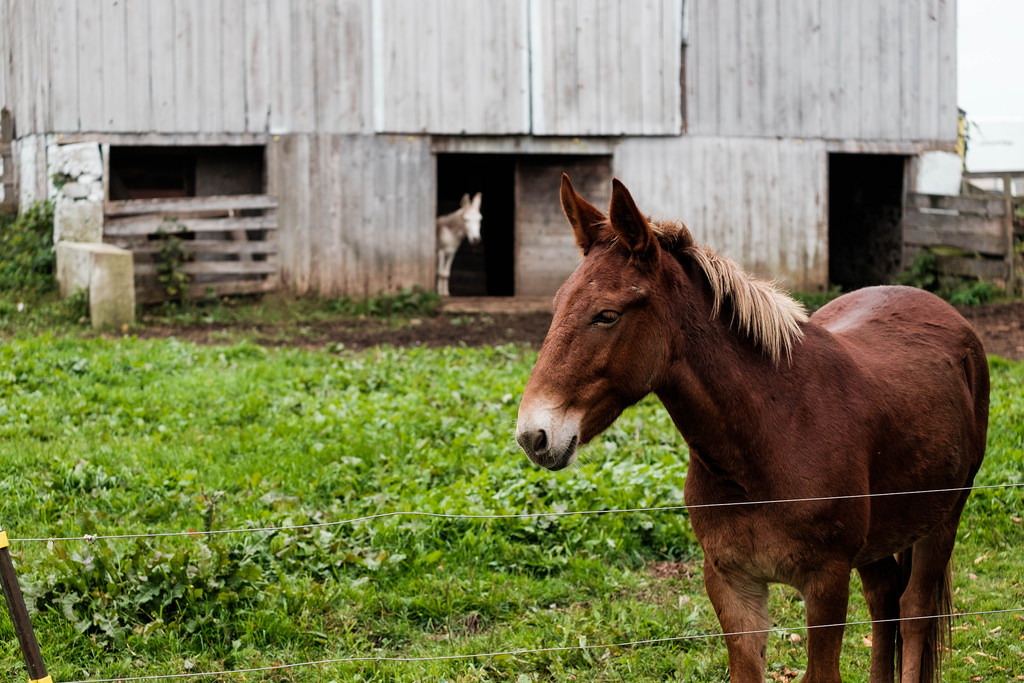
225	244
978	229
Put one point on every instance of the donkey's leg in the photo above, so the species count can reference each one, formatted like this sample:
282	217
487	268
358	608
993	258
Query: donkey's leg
927	595
444	269
882	586
741	603
826	596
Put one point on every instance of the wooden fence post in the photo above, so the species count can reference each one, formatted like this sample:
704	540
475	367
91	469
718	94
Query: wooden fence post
1011	254
19	616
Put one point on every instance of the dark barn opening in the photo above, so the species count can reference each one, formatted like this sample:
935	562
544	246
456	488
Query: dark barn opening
865	200
159	172
484	269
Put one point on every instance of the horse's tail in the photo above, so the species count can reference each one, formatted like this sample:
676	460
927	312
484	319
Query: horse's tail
940	631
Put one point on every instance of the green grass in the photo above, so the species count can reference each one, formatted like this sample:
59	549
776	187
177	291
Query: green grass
112	436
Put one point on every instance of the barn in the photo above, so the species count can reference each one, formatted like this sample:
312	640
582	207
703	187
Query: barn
313	143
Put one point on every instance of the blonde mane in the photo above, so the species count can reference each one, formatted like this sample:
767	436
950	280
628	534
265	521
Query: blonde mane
760	309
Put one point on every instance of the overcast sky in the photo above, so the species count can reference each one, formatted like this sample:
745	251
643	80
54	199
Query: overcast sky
990	56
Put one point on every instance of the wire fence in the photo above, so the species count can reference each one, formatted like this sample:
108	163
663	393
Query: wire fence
513	515
523	515
542	650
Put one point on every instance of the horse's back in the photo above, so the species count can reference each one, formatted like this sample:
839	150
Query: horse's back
921	358
897	318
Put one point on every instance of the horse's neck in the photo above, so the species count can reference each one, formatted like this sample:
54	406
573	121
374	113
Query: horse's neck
718	388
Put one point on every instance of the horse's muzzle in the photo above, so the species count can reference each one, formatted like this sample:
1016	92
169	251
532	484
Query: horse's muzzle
537	446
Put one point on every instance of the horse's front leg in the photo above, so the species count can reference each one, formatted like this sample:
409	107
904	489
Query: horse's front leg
826	596
882	587
741	603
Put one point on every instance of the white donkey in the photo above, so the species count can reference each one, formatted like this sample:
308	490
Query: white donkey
452	228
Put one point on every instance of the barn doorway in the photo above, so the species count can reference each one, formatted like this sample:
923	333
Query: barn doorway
865	200
484	269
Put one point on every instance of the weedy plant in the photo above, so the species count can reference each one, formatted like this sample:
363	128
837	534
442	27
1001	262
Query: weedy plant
170	261
27	257
924	273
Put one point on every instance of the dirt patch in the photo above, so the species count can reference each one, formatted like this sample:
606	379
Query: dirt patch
480	329
1000	326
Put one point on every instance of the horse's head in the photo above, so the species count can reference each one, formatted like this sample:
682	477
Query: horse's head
472	216
607	345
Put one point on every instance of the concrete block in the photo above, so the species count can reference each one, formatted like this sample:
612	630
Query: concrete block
77	221
106	272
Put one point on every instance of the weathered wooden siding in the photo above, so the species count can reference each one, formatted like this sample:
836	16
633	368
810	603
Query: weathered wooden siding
829	69
188	66
356	212
545	249
761	202
580	67
458	66
606	67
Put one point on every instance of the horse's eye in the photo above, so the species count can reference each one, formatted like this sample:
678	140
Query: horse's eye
606	317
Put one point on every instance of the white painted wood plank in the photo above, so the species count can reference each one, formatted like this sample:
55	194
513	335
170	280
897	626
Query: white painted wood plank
232	66
330	72
728	55
64	83
927	102
833	78
946	112
188	70
258	68
851	83
138	56
6	95
90	64
162	39
302	82
279	32
811	55
871	37
113	48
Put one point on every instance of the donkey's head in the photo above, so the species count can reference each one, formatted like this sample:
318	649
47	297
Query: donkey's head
471	215
608	345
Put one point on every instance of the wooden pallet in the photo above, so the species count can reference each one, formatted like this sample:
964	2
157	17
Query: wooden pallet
229	242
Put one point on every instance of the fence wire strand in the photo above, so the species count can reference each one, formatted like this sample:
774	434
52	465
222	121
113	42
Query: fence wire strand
513	515
521	515
543	650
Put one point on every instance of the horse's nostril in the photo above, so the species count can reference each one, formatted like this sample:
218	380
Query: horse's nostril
540	441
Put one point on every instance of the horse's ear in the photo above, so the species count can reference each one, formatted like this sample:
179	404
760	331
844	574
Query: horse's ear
464	204
631	227
583	216
477	198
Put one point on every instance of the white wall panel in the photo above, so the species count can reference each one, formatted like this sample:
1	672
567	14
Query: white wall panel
761	202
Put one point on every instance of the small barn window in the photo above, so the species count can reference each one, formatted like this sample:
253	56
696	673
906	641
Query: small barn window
161	172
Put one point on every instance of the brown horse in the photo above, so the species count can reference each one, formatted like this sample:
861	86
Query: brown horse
883	390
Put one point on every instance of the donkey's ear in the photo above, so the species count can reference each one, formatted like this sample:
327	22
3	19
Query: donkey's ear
464	203
477	198
631	227
583	216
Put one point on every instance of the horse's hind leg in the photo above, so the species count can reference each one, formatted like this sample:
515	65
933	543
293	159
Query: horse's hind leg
927	595
741	603
883	584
